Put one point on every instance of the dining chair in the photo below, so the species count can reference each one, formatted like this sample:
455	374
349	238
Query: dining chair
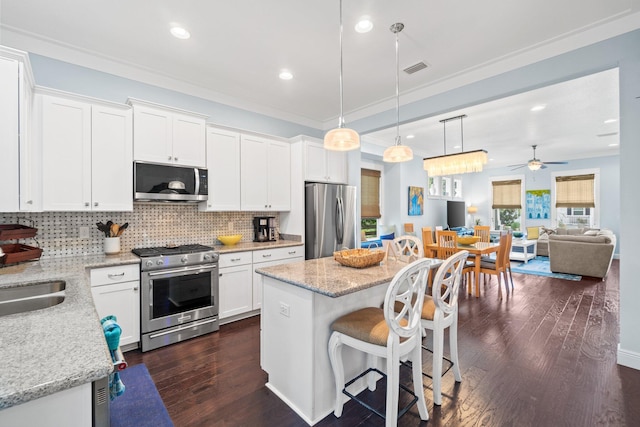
408	248
389	334
439	312
408	229
498	266
482	231
427	239
447	243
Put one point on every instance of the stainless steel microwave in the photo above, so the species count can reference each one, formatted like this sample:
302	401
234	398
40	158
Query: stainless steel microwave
165	183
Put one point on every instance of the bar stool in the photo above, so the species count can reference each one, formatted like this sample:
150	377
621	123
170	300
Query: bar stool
392	332
440	311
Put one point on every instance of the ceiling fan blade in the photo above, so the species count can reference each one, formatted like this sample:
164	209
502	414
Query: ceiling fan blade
543	167
517	166
556	163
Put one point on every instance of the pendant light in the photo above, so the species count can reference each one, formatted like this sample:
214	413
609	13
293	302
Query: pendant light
341	138
397	152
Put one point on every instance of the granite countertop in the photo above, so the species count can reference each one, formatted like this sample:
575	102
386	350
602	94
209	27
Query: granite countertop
256	246
327	277
50	350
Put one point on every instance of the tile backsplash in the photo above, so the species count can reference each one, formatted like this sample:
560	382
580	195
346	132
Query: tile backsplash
150	225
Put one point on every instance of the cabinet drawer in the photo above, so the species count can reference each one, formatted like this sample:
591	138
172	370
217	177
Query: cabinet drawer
278	253
116	274
234	258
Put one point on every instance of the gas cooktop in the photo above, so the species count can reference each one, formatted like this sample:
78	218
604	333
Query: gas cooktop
171	250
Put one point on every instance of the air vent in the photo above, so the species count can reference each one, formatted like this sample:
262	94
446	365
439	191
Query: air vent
415	68
101	396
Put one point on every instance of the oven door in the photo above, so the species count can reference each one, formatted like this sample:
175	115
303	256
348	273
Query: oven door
179	295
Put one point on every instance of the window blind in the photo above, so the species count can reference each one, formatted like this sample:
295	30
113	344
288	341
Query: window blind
507	194
575	191
370	193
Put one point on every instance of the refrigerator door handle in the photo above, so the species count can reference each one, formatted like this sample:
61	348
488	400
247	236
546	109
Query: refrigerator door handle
339	221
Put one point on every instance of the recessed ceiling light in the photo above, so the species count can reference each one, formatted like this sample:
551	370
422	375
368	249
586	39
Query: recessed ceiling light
491	160
611	121
615	144
364	25
410	136
180	33
285	75
538	107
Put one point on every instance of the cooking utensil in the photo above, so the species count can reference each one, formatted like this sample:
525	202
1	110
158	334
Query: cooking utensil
122	228
114	230
103	227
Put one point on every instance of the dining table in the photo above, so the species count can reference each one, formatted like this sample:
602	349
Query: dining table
478	249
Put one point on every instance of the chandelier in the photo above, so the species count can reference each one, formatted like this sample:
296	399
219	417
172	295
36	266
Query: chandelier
341	138
397	153
458	163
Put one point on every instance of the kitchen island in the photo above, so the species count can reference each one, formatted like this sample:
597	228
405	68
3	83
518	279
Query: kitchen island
51	356
300	301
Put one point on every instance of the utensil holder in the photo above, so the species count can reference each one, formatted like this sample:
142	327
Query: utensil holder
111	245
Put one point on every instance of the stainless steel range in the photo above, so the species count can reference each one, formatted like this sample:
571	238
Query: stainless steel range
179	293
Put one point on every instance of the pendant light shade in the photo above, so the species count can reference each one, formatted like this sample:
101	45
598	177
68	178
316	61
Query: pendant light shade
341	138
397	153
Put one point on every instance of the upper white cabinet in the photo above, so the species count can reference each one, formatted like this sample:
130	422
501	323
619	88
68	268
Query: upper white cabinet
86	154
18	169
223	164
324	165
167	135
265	174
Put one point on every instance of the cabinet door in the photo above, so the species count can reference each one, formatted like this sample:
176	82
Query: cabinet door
315	162
30	152
253	174
188	141
152	135
336	166
112	164
236	289
123	301
66	154
279	178
9	143
223	164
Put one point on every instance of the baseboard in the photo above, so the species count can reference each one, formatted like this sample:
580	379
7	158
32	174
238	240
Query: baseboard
630	359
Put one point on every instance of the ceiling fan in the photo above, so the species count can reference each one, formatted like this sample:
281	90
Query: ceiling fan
535	164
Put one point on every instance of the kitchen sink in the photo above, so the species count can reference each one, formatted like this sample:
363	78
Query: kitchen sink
35	296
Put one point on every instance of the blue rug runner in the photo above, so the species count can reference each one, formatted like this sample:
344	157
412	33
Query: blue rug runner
539	266
140	405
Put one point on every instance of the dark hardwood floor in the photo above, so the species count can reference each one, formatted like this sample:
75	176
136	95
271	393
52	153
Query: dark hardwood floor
544	356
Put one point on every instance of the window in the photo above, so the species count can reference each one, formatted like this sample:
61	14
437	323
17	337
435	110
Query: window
507	204
575	199
433	185
370	201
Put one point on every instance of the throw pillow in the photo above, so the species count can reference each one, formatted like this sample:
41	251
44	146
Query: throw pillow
388	236
549	231
533	233
591	233
543	236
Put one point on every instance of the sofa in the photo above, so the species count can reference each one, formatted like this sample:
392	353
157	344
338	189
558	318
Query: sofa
587	254
544	234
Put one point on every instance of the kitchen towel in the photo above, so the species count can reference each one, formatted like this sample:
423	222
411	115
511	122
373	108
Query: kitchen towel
141	405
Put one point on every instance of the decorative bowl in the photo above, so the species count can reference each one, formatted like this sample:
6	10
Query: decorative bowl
518	234
468	240
230	240
359	258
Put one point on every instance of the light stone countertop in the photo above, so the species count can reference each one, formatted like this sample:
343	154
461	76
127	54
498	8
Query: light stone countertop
256	246
50	350
327	277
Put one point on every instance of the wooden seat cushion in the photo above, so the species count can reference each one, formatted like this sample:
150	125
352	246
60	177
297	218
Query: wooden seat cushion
366	324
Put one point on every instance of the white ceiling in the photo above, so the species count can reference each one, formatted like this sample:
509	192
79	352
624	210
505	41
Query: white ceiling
238	48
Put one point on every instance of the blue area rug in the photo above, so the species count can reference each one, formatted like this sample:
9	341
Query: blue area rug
140	405
539	266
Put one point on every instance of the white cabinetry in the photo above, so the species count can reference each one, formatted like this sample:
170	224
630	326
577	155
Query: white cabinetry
235	284
167	135
265	174
86	155
18	170
223	164
116	292
324	165
267	258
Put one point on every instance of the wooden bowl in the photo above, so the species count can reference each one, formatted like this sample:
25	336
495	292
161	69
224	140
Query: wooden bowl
359	258
468	240
230	240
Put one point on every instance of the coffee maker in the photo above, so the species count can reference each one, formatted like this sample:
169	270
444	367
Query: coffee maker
264	229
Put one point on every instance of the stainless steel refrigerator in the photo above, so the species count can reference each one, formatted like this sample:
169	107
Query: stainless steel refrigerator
330	219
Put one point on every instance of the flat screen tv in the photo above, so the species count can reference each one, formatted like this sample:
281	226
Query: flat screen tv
456	214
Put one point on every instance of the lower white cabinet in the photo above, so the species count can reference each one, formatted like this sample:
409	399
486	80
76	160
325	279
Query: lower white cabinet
116	291
267	258
235	284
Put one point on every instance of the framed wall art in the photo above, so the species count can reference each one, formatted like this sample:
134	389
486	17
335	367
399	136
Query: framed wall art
416	200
